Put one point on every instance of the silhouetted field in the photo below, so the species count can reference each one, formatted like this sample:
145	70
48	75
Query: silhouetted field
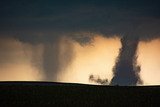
49	93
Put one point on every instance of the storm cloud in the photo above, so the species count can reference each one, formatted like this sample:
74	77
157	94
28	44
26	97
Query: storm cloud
126	70
132	18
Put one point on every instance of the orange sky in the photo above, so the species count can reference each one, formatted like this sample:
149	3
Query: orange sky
97	58
16	62
149	59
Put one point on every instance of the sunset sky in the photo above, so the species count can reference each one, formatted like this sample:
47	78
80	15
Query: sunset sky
85	41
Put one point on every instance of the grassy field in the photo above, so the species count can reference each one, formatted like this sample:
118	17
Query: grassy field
49	93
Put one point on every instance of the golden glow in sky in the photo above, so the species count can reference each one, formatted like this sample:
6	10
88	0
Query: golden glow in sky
98	58
16	62
149	59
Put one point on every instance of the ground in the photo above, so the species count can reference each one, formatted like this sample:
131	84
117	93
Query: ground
49	93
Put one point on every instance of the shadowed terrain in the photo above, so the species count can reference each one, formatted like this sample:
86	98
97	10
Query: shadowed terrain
49	93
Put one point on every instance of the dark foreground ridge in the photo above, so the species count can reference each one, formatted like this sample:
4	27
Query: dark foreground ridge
50	93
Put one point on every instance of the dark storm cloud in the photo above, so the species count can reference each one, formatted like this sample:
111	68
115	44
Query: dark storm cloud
98	80
108	17
51	61
85	38
126	69
56	59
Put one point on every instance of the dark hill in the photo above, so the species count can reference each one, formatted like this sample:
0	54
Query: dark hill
50	93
